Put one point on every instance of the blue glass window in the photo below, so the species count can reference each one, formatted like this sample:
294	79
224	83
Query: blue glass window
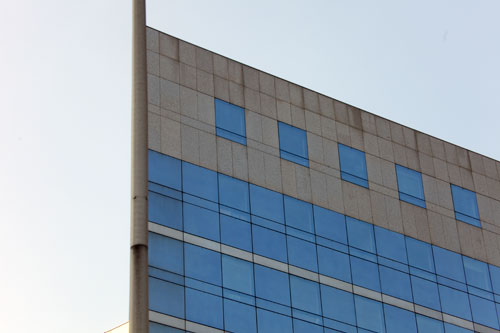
267	204
425	293
334	263
230	121
338	304
269	243
237	274
199	181
410	186
305	295
165	210
164	170
449	328
302	254
420	254
299	214
360	235
158	328
272	285
235	233
465	204
330	224
455	302
449	264
495	278
477	273
353	165
398	320
293	144
202	222
300	326
204	308
234	193
391	244
365	273
369	314
166	253
166	297
239	317
429	325
270	322
483	312
202	264
395	283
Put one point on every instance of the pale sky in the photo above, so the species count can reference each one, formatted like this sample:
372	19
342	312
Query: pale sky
65	117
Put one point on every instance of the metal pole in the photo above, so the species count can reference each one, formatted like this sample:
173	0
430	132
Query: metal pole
139	321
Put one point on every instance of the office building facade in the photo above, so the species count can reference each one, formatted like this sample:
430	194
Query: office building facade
272	208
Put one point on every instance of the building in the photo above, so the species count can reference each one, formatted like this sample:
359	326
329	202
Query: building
273	208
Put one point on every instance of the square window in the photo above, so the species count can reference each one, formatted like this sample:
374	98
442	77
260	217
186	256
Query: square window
201	222
484	311
239	317
269	243
272	285
267	204
477	274
166	253
305	295
425	293
165	210
338	304
230	121
234	193
410	186
334	263
166	297
429	325
449	264
271	322
465	204
204	308
449	328
420	254
237	274
302	254
164	170
202	264
365	274
360	235
235	233
200	182
390	245
455	302
398	320
370	314
395	283
330	224
353	165
299	214
293	144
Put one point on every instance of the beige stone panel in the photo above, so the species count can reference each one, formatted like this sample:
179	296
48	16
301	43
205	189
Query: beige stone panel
490	168
268	106
154	131
371	144
154	109
152	40
273	172
296	97
313	122
356	138
288	178
450	153
393	208
206	109
170	137
170	96
424	143
373	169
422	224
492	246
463	158
204	60
303	183
430	189
426	164
476	162
263	147
250	78
208	150
383	128
198	124
364	204
240	161
438	235
408	218
205	82
485	209
335	198
379	211
388	171
221	66
153	89
153	63
467	179
340	112
343	134
190	144
235	71
383	190
311	101
480	183
451	233
236	95
385	149
187	76
493	188
437	147
318	188
224	156
444	194
399	154
298	117
256	167
283	112
354	116
252	100
326	106
188	102
454	173
495	211
350	201
253	126
270	132
368	122
328	128
282	91
315	148
171	115
187	53
397	133
169	46
266	83
331	154
410	139
221	88
471	241
413	159
441	169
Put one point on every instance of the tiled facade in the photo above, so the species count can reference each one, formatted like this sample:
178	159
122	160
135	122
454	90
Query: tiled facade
184	81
